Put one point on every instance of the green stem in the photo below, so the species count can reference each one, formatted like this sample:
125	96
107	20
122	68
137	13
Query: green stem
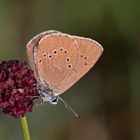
25	128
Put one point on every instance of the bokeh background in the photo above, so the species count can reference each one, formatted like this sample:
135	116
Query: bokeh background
108	97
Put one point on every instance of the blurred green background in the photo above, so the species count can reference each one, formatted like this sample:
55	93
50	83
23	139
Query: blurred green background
108	97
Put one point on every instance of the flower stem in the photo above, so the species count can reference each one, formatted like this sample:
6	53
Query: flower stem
25	128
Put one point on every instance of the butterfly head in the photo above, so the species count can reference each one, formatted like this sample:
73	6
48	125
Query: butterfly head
46	93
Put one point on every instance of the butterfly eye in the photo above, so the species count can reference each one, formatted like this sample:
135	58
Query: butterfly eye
65	51
85	57
55	100
40	60
81	55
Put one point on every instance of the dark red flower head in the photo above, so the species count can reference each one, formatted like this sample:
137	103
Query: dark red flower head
17	88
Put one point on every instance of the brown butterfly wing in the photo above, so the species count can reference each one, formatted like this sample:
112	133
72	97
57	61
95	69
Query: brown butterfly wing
61	59
34	43
56	56
89	52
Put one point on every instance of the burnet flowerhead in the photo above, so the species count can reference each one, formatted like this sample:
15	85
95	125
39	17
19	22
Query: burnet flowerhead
17	88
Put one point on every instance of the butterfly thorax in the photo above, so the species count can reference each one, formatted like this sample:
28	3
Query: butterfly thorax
46	93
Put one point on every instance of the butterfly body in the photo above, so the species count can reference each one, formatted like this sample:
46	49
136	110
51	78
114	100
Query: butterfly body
46	93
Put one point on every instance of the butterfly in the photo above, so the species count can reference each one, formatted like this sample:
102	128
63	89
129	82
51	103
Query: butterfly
59	60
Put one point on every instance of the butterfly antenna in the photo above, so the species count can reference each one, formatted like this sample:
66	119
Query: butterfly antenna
69	107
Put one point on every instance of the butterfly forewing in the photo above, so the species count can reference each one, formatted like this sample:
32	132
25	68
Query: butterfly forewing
33	44
55	59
